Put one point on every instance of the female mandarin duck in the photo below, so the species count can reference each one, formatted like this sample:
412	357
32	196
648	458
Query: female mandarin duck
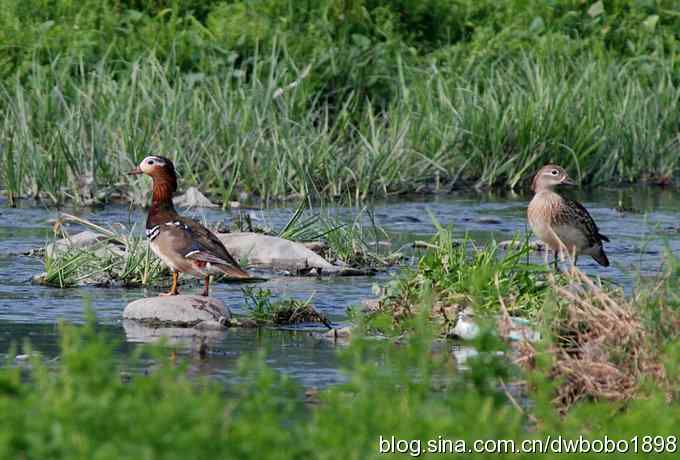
182	244
561	223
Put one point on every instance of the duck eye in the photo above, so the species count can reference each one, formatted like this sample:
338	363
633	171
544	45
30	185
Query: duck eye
554	172
150	162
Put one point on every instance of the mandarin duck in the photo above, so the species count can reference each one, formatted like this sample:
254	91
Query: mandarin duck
563	224
183	244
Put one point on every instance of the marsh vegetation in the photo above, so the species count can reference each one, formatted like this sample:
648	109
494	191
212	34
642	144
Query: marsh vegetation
333	99
324	104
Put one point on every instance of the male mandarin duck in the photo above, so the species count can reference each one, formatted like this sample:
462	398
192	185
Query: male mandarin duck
182	244
561	223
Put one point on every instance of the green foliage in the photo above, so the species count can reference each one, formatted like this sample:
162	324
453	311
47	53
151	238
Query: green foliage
115	259
335	98
85	407
455	274
283	312
483	276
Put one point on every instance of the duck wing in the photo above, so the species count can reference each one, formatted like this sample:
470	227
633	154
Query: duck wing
207	247
574	213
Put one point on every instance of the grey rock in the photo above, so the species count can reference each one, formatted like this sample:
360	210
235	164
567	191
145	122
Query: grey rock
193	198
266	251
272	252
317	247
82	240
177	311
210	326
340	335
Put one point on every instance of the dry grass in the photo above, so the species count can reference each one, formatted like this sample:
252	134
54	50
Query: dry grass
603	349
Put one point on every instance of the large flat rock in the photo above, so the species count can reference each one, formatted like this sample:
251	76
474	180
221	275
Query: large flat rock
178	311
260	251
272	252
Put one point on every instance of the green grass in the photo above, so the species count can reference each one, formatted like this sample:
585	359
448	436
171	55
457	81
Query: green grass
282	312
407	391
452	275
121	257
335	100
118	259
485	126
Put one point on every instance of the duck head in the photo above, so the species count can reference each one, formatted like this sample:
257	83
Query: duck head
550	176
159	168
162	171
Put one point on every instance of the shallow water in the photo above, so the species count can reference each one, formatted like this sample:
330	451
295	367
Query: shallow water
640	234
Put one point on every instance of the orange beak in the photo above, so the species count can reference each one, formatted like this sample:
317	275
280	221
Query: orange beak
136	172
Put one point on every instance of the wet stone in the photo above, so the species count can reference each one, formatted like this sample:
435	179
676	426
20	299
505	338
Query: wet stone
178	311
270	251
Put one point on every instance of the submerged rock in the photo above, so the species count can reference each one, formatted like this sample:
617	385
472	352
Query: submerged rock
340	336
188	337
193	198
179	311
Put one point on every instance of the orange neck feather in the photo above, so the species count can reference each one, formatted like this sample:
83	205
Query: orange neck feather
162	209
162	192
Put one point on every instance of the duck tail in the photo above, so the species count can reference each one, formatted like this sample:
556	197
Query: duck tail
233	271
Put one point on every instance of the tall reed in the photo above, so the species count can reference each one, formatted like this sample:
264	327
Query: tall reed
269	132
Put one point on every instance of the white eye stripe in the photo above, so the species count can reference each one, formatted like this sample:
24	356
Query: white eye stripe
155	159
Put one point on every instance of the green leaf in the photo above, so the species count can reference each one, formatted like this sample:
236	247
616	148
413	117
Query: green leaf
650	22
361	41
537	25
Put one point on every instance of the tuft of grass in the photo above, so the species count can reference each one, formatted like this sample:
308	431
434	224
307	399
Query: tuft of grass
340	241
335	100
117	258
285	312
453	275
358	244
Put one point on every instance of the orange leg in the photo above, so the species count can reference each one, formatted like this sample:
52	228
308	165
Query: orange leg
173	289
206	286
